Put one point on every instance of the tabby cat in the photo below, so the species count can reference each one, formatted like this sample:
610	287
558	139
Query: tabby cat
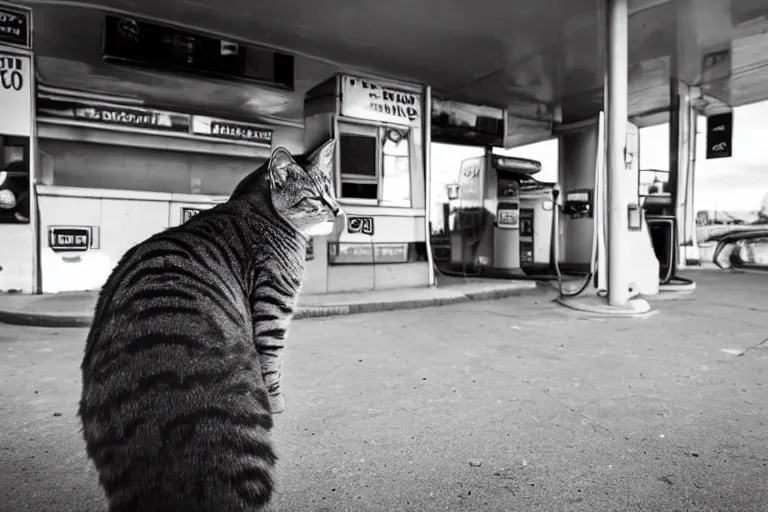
183	361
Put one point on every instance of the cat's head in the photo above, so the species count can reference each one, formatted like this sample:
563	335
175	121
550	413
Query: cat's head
303	193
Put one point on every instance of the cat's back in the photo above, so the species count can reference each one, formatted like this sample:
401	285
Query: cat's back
174	410
192	272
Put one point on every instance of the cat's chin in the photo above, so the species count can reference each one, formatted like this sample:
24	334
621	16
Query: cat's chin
322	229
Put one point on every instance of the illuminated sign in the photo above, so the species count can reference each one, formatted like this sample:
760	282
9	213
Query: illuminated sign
99	113
365	99
15	26
362	225
231	131
69	238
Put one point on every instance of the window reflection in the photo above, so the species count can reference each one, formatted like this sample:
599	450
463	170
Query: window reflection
396	175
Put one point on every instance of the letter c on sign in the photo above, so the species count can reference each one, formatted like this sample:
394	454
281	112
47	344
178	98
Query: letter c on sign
11	79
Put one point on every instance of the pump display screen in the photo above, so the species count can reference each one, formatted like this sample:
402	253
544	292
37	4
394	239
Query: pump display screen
508	218
577	197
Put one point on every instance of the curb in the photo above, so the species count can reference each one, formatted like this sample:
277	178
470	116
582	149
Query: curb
44	319
66	320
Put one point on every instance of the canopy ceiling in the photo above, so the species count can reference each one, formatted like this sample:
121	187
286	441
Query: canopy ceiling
534	57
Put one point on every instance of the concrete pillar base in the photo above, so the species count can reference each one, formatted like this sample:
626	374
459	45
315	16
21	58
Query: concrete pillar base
598	305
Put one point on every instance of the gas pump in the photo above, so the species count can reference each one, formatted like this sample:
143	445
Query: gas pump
578	204
579	233
658	202
485	217
536	217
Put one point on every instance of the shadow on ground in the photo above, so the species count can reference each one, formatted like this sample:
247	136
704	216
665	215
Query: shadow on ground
515	404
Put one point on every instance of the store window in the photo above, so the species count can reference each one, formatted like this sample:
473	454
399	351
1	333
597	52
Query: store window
14	181
375	165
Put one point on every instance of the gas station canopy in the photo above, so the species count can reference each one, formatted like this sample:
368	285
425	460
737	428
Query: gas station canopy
541	59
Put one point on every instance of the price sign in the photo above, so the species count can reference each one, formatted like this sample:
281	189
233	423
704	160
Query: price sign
508	218
69	239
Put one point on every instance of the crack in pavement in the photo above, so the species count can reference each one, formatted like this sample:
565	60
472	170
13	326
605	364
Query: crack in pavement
753	347
563	404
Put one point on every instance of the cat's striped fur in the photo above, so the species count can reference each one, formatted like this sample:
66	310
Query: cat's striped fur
183	361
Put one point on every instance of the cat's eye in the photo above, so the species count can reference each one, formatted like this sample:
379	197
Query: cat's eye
301	201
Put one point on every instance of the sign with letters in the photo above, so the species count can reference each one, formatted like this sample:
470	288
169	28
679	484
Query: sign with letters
15	95
366	254
128	117
508	216
188	212
471	179
365	99
719	135
15	26
229	130
69	238
362	225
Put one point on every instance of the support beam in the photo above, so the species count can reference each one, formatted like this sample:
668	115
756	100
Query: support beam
617	69
428	178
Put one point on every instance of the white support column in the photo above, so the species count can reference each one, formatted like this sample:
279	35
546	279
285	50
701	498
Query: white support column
617	69
428	178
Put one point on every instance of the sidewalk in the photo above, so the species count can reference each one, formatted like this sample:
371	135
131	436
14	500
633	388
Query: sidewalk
75	309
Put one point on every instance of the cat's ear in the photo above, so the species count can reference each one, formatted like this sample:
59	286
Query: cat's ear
321	159
279	164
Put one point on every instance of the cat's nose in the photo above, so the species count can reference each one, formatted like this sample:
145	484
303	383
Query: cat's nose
337	211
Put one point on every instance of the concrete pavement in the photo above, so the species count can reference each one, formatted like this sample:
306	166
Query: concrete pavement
515	404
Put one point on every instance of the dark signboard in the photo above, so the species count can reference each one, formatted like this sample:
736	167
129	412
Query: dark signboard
231	131
187	213
362	225
14	26
720	135
454	122
147	44
69	239
130	117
